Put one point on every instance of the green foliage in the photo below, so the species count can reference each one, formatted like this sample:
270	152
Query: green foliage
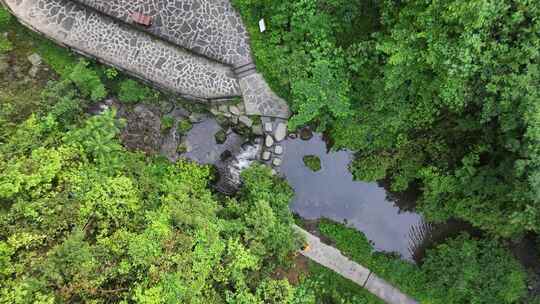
467	271
5	17
111	73
131	91
5	45
264	208
437	94
313	162
167	122
61	60
84	220
462	270
300	56
325	286
87	81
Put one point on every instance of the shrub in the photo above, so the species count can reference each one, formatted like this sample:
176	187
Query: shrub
111	73
88	81
464	270
460	271
167	122
5	45
5	17
132	91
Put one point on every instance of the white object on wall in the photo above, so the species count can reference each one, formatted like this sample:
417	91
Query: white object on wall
262	26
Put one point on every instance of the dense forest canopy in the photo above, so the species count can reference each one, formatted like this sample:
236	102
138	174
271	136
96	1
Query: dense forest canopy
440	94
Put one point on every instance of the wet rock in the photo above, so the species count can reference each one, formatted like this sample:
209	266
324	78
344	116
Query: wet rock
293	135
306	134
225	155
35	59
281	132
143	129
278	150
268	127
223	121
196	117
257	130
276	162
266	155
269	141
241	107
166	106
221	136
33	71
234	110
214	111
234	120
169	146
246	121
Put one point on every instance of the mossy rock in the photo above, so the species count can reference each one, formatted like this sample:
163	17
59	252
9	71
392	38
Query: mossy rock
184	126
223	121
313	162
167	122
181	148
306	133
220	136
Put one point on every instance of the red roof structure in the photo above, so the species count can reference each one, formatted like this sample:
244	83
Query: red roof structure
141	19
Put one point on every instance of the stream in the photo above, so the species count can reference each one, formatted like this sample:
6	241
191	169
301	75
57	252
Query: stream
329	193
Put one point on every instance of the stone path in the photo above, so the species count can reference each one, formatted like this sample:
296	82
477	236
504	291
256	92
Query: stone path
122	46
331	258
208	27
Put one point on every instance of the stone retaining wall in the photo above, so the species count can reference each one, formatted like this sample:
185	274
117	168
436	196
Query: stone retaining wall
208	27
99	37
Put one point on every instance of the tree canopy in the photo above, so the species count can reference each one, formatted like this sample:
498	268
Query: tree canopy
440	94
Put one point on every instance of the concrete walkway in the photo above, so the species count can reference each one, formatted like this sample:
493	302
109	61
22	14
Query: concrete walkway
331	258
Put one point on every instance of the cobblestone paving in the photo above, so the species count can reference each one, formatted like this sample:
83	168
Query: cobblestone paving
125	47
208	27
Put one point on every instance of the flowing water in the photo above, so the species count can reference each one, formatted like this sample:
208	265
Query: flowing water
332	193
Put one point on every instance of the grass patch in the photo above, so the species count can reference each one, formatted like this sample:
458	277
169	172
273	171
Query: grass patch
326	286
